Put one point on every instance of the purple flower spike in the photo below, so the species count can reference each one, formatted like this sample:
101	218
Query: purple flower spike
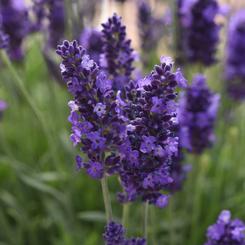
198	29
15	24
150	28
149	109
226	231
91	40
117	56
235	62
95	126
115	235
197	114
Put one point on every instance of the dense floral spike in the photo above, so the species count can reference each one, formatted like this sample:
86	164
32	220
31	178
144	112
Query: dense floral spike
198	109
93	116
235	62
4	38
91	40
117	57
150	27
54	11
115	235
201	33
15	24
3	107
151	142
226	231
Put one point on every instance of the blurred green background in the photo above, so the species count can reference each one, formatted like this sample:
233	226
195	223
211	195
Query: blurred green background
44	200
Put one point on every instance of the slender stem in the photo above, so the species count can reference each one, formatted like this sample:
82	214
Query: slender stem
107	200
146	213
126	208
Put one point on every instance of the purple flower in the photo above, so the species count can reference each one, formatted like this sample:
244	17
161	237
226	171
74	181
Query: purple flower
15	24
150	29
117	56
95	170
95	125
199	33
226	231
3	107
148	144
149	108
115	235
235	62
162	201
98	142
91	40
197	114
54	12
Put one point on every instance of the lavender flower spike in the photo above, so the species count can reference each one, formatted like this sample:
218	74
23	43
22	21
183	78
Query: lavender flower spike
235	61
117	56
93	116
197	114
15	24
3	107
151	141
115	235
226	231
199	31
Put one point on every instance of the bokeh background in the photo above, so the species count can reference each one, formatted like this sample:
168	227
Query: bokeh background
44	200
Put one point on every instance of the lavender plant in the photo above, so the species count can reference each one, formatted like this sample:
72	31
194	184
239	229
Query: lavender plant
151	29
235	62
200	32
197	114
54	12
91	40
15	24
226	231
151	141
117	57
115	235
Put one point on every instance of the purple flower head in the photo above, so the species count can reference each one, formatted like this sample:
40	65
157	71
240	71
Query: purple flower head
235	62
198	29
4	38
95	124
149	109
151	28
54	12
117	56
3	107
15	24
91	40
115	235
226	231
197	114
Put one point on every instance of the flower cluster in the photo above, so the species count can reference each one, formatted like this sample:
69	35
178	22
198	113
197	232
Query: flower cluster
54	11
4	38
117	56
149	109
93	116
91	40
201	33
226	231
235	63
115	235
150	27
3	107
197	114
15	24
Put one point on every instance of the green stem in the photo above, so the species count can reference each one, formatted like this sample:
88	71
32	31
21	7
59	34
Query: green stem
146	214
36	112
107	200
126	208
